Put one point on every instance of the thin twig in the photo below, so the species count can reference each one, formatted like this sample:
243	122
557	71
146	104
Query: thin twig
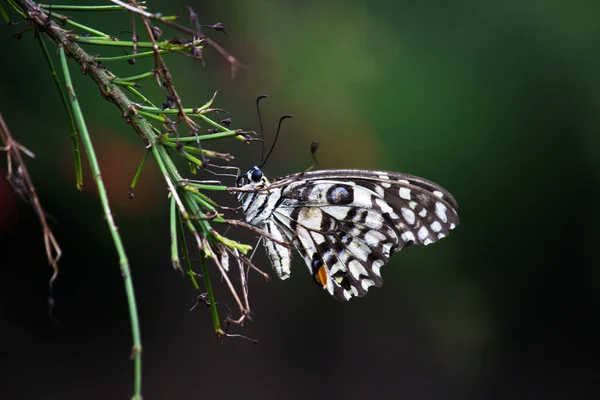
234	62
227	280
254	229
23	185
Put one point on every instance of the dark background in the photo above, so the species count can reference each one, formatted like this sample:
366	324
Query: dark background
496	101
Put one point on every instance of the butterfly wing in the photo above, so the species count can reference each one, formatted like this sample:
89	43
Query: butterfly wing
347	223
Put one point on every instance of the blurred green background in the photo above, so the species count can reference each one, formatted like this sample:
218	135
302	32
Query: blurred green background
496	101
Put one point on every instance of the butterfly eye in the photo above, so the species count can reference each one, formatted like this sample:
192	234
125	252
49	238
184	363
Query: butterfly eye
255	174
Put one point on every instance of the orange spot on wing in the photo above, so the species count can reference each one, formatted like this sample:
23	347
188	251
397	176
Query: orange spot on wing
321	277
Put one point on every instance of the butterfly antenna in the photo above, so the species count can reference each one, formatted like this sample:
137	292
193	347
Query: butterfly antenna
276	136
313	149
260	124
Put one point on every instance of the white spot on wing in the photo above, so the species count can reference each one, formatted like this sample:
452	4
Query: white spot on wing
374	220
423	233
366	283
319	239
387	248
423	213
336	268
303	237
408	236
438	193
452	226
337	212
329	286
385	207
356	269
362	196
441	236
436	226
405	193
373	238
440	211
310	217
408	215
427	241
359	250
377	264
385	184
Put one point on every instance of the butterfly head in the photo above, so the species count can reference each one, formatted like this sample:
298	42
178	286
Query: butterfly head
254	177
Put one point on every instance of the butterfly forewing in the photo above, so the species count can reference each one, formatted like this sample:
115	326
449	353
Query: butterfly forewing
347	223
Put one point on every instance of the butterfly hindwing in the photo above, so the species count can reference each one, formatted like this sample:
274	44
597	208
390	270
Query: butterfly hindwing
339	256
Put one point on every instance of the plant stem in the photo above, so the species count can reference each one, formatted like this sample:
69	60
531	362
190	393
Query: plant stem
136	351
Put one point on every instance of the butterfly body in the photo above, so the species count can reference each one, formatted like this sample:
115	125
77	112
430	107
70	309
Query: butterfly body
345	223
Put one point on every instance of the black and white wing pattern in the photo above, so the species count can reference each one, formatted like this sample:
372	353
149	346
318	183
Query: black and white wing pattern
345	223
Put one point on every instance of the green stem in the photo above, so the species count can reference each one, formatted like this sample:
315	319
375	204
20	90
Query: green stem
4	15
188	265
174	236
130	56
136	351
53	8
211	299
69	21
136	77
110	41
63	98
201	186
156	118
212	136
138	94
138	172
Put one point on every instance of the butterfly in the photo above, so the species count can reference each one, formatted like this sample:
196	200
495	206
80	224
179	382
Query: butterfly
344	223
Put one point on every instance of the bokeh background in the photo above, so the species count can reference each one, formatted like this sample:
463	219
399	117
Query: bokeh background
496	101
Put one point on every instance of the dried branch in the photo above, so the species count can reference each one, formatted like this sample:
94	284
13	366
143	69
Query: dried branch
19	178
